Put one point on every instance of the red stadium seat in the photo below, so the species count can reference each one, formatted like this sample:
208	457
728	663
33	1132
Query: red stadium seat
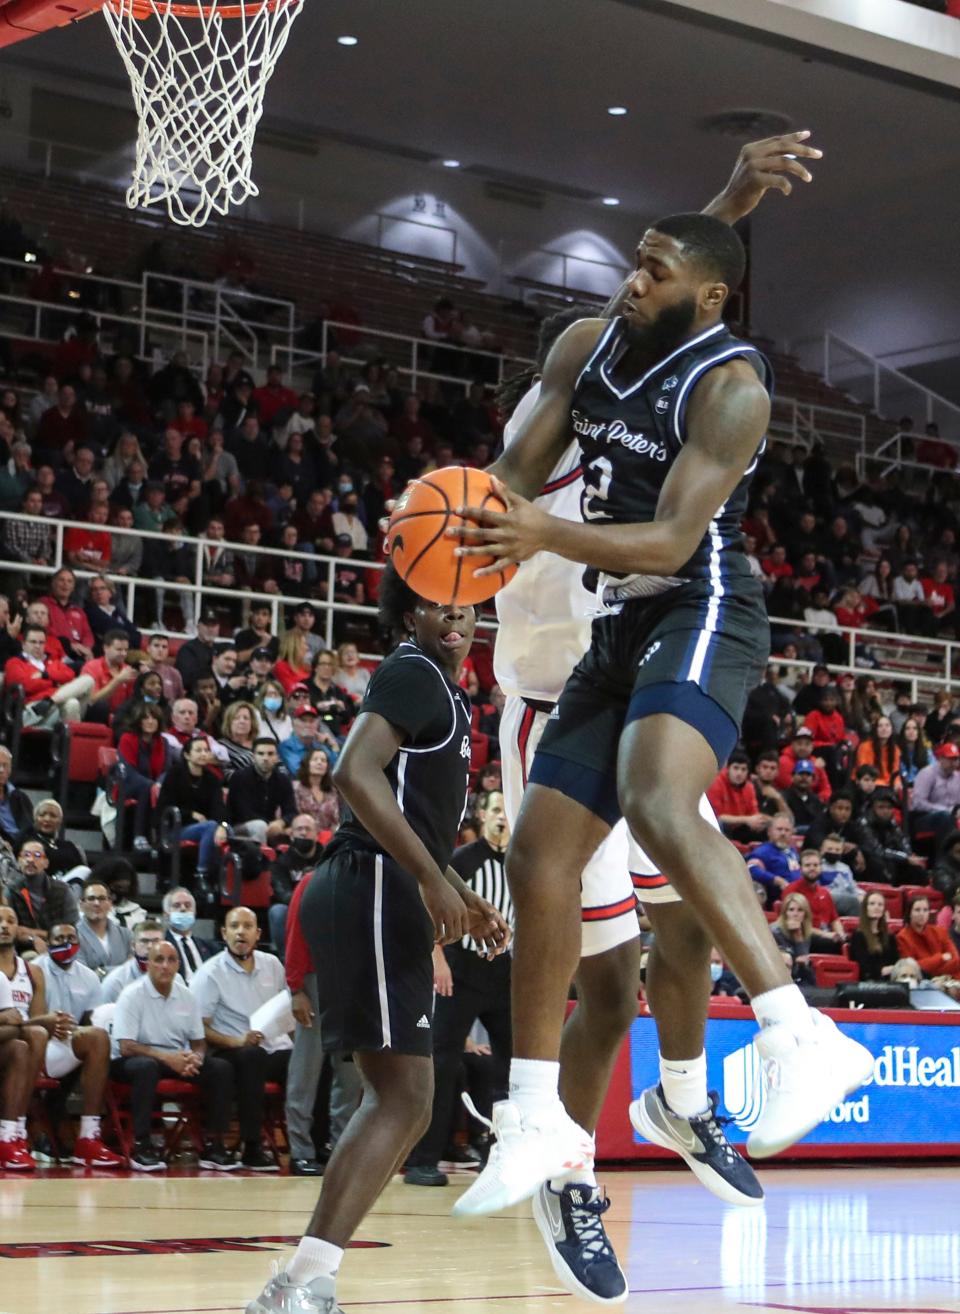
479	750
832	969
87	738
184	1094
913	891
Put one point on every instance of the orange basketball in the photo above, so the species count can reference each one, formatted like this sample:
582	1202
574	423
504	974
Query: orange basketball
419	547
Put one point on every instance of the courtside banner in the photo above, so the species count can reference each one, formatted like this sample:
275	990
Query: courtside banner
911	1106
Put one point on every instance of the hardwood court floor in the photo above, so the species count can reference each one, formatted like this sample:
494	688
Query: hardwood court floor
856	1239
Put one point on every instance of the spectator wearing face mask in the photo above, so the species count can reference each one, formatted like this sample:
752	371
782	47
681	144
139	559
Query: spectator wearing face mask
837	877
180	913
723	983
270	702
145	933
288	870
69	994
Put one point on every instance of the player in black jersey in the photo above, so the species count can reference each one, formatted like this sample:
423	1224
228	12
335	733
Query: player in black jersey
670	411
382	896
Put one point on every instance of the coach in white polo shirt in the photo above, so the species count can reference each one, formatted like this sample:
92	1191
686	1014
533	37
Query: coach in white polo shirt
229	988
157	1034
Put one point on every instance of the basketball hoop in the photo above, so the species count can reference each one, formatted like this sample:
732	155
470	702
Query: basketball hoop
198	73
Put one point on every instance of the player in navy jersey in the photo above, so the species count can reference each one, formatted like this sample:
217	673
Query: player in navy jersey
670	411
383	895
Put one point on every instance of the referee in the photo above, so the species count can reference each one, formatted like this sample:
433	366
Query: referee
469	986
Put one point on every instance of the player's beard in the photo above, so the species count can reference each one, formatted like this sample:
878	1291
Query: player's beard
671	327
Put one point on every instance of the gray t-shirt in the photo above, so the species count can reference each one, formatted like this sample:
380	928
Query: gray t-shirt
228	996
74	990
164	1022
115	982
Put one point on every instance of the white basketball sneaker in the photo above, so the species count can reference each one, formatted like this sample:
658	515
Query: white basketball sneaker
527	1150
805	1077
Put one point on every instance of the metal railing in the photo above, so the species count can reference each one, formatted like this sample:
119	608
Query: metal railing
45	321
393	219
196	588
890	456
887	391
805	422
409	356
326	566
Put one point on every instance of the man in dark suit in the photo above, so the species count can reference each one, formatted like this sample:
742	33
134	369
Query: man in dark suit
180	914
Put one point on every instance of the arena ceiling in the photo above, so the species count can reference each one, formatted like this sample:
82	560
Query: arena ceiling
520	88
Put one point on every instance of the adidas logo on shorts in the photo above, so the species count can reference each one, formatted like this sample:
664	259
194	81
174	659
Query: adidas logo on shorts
424	1022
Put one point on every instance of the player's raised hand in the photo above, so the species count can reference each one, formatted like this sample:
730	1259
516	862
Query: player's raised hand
774	162
509	536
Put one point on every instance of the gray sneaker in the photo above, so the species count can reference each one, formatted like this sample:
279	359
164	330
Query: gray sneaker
701	1143
281	1296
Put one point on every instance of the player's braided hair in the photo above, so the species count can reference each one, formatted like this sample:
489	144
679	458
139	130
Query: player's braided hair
395	598
512	389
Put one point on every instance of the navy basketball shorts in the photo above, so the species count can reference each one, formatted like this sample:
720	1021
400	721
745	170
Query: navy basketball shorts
371	941
685	652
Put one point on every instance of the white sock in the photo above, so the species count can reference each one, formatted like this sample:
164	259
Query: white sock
684	1083
579	1177
8	1129
89	1128
314	1259
22	1128
785	1005
534	1084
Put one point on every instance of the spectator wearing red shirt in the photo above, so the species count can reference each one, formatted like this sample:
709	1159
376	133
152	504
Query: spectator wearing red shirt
853	611
776	565
734	800
802	747
829	730
928	943
274	397
940	597
85	546
146	755
111	675
68	620
51	690
828	932
293	665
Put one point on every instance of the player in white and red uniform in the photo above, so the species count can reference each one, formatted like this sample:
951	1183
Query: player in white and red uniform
544	615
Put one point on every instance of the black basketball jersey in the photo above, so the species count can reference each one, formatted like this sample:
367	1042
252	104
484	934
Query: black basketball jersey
430	773
631	434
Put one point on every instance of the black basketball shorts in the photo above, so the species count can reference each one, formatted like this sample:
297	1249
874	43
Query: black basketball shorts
371	941
686	652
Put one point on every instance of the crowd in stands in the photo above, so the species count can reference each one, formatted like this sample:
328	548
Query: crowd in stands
843	786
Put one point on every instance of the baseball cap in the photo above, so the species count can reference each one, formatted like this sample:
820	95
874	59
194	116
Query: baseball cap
803	765
344	540
305	710
802	732
949	751
261	655
209	617
302	687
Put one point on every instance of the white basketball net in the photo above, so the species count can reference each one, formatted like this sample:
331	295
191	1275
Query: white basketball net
198	85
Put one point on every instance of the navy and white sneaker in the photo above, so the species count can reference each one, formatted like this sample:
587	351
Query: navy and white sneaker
702	1145
571	1224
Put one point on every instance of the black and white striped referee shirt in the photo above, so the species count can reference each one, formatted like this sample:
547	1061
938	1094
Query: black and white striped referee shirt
481	867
